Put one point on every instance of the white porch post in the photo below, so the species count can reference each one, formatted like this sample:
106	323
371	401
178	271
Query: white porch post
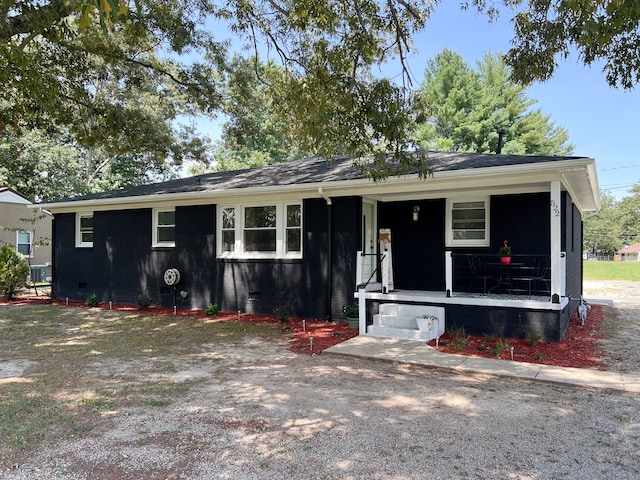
359	259
556	241
385	272
362	311
448	273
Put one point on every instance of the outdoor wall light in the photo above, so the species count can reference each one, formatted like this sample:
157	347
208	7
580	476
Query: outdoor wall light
416	211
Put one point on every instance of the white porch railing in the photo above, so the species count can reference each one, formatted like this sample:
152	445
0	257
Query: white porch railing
366	272
366	279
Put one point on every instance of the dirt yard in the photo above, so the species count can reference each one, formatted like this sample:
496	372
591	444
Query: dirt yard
621	350
93	394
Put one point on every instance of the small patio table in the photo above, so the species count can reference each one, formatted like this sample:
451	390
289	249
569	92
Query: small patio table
504	272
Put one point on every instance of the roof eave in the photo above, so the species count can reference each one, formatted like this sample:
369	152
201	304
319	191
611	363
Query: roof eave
570	172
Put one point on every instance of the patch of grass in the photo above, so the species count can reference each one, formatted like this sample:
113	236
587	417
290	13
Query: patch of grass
500	346
533	338
456	331
68	385
539	356
461	343
629	271
27	417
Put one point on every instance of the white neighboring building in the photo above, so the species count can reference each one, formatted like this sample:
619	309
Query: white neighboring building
22	235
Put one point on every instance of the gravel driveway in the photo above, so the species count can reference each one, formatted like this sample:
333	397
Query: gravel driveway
258	411
622	348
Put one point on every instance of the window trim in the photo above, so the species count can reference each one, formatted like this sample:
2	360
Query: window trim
239	228
286	228
156	213
220	230
30	243
450	241
79	242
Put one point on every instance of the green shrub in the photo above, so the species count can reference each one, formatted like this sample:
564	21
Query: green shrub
143	301
501	345
212	310
14	272
284	311
92	300
533	338
352	310
456	331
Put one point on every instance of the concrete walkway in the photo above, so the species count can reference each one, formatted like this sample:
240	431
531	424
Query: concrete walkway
419	353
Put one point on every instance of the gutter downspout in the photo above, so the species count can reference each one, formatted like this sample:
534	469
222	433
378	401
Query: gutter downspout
329	251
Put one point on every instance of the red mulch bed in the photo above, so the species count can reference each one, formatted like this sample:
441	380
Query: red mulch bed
578	348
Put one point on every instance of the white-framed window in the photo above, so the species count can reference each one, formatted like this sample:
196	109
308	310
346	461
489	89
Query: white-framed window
272	230
84	229
293	237
468	222
228	230
164	227
23	243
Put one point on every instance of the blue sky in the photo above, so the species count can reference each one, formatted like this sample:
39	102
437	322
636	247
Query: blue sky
602	121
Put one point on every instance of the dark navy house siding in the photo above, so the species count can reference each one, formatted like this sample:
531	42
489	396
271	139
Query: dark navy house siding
122	264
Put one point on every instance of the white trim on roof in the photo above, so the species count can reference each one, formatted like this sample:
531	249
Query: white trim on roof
7	195
577	175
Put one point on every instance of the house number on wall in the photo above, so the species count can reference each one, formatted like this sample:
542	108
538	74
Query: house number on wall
554	208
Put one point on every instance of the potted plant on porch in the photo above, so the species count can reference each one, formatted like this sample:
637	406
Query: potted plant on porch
352	311
505	252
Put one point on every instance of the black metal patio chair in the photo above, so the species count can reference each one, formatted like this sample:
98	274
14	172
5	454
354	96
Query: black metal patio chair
538	274
479	272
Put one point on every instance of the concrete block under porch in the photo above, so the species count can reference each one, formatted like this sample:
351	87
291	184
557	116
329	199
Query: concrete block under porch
497	315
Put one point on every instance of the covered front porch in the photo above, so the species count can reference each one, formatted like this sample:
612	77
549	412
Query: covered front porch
502	310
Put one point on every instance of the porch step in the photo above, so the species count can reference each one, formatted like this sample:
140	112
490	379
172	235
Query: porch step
396	320
401	333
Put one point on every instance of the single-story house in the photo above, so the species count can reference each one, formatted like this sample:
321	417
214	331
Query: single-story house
630	253
307	234
28	234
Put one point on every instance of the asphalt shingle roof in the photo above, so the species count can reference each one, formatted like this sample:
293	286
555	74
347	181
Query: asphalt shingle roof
306	171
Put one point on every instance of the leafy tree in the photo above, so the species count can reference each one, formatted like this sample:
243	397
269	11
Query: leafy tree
46	164
13	272
465	109
40	164
114	94
628	216
601	232
546	31
255	133
57	58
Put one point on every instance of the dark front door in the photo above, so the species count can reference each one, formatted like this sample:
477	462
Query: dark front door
417	245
